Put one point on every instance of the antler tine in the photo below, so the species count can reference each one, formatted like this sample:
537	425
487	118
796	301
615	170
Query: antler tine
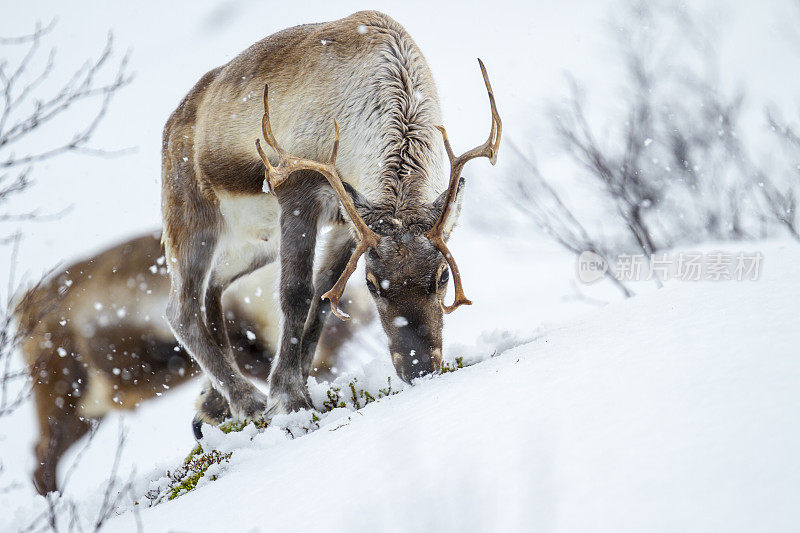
460	297
335	293
493	143
287	164
489	150
266	128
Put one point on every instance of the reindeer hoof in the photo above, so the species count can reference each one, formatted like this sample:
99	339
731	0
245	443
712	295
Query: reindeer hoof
212	408
287	402
197	427
252	406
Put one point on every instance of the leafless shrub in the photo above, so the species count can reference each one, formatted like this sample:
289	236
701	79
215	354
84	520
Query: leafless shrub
537	199
743	200
674	169
15	384
668	172
26	110
62	511
22	113
698	130
782	200
624	174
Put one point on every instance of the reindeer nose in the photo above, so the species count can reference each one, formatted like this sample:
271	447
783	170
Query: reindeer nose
397	361
414	365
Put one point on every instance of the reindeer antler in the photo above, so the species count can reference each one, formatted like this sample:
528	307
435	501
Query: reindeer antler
276	175
487	149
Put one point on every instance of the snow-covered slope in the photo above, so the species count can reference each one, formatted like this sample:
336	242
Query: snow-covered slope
677	410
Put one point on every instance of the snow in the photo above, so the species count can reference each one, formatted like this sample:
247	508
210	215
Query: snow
676	410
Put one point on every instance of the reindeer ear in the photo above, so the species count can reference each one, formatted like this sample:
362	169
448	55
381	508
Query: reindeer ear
361	202
452	219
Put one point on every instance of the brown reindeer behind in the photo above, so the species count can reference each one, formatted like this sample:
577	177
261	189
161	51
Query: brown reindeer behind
353	126
97	341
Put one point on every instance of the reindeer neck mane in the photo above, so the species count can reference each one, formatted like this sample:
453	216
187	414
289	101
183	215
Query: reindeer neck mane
411	173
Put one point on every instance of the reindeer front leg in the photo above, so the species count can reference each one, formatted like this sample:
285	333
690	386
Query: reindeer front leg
300	212
337	252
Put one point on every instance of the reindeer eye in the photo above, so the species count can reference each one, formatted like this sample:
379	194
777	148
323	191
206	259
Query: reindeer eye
444	277
371	287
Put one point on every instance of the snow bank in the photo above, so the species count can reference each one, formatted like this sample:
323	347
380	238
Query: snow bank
677	410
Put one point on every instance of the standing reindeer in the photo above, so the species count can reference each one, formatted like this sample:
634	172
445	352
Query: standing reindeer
362	75
96	341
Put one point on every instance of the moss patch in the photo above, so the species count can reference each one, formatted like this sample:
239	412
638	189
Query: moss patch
186	477
194	470
232	426
455	365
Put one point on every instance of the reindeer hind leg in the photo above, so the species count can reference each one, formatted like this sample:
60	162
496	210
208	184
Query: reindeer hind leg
226	258
212	408
194	313
60	383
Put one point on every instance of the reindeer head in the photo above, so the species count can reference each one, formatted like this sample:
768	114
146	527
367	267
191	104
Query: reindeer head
407	267
408	277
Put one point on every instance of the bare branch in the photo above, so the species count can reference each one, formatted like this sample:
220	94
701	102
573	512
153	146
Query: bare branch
56	501
110	503
20	183
81	86
36	215
16	94
783	129
621	175
13	331
38	32
534	196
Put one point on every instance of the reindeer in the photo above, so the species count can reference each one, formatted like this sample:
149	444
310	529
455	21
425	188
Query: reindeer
352	121
95	340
